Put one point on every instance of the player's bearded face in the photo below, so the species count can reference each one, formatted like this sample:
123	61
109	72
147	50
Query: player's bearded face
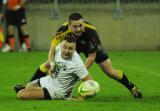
76	27
67	49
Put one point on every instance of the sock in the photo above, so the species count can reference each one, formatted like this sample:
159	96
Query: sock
27	41
12	42
40	72
124	80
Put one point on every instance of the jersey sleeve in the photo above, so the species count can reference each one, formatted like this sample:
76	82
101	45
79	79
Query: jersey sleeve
94	40
81	71
59	36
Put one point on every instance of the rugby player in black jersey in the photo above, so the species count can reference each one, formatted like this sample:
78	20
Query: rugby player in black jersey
87	42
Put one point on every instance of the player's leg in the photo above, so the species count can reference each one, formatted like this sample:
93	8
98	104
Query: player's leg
20	35
6	46
10	40
25	37
41	71
22	24
11	37
33	91
106	65
10	21
108	69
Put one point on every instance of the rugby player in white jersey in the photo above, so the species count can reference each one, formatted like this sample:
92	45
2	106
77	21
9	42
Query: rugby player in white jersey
69	68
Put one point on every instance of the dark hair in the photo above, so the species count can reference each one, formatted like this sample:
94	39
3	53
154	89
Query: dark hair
70	38
75	16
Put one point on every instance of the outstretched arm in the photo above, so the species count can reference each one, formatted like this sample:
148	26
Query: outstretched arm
79	98
51	54
90	60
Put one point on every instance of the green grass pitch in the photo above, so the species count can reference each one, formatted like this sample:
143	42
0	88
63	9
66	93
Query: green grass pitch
141	67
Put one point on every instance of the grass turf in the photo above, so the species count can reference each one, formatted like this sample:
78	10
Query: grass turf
141	67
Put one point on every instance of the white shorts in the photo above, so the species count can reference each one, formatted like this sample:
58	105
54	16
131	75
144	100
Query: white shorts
48	82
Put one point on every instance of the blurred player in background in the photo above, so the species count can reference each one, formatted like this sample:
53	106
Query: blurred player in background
15	16
87	42
1	34
1	27
59	84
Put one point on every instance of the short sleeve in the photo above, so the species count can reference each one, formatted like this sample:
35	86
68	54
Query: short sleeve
94	40
81	71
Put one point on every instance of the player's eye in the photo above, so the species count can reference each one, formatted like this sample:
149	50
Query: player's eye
80	25
75	26
64	47
71	48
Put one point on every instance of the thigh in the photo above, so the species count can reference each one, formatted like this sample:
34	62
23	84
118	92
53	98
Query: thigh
20	17
35	87
101	56
31	93
10	18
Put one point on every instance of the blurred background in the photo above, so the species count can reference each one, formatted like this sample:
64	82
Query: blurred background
121	24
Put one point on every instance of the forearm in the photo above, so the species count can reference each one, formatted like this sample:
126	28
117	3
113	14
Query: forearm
51	54
86	78
51	59
90	60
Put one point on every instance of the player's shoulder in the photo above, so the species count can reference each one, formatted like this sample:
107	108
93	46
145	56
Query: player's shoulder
89	25
64	26
63	30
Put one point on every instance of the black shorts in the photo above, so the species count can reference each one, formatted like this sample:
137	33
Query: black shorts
46	93
100	57
17	18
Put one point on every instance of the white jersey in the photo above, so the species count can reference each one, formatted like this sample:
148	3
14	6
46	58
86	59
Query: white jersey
66	74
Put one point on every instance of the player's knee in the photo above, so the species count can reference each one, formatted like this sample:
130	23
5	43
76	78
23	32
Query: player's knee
112	73
21	94
45	65
29	85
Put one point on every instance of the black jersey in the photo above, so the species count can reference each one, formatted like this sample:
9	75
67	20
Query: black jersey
88	42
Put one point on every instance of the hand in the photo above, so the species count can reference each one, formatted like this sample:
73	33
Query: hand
79	98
